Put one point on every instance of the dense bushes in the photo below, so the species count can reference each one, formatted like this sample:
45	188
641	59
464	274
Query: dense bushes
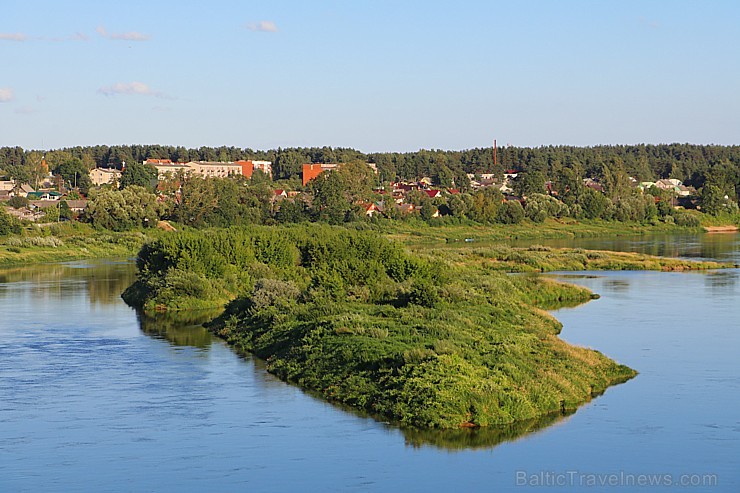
360	320
132	207
8	224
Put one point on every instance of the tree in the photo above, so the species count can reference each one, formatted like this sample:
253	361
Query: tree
129	208
541	206
139	174
18	202
329	203
529	183
484	205
427	210
8	224
712	199
593	203
75	174
510	212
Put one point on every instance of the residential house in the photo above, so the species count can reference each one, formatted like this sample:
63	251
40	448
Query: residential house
104	176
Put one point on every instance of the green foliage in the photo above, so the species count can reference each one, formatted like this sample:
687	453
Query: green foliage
208	202
360	320
510	212
540	207
715	202
139	174
526	184
18	202
75	174
132	207
8	224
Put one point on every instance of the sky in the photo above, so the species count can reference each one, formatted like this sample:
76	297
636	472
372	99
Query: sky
373	75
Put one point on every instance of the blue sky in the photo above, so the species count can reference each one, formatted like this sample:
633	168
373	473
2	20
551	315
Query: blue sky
374	75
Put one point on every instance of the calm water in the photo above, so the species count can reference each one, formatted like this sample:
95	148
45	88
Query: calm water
93	398
715	246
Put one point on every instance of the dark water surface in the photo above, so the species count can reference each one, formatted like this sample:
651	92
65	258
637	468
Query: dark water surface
94	398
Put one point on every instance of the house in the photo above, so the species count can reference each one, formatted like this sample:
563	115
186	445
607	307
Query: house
593	184
44	195
7	185
104	176
433	194
279	194
24	213
77	205
371	209
24	190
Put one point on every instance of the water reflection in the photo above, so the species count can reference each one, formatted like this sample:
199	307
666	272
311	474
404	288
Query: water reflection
722	281
478	438
101	281
179	329
719	247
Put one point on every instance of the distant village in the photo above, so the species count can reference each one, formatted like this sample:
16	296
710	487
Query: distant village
51	190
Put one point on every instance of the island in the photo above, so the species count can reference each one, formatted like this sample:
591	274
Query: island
421	341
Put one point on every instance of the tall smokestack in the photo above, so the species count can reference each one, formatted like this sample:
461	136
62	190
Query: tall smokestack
494	152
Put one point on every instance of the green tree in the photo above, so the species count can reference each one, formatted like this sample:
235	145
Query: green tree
484	205
510	212
712	199
330	204
427	210
75	174
529	183
8	224
129	208
593	203
139	174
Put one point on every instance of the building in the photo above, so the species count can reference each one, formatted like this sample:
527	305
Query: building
214	169
311	171
103	176
249	166
168	170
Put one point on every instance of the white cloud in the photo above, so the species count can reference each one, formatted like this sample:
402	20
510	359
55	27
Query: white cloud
131	89
6	94
13	37
127	36
263	26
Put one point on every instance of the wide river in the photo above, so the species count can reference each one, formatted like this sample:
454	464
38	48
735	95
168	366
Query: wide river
94	398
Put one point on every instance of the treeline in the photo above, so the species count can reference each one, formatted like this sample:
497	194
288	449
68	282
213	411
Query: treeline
692	164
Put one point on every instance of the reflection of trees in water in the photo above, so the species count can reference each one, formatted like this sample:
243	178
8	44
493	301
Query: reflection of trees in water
454	439
715	246
477	438
103	281
616	286
722	280
180	329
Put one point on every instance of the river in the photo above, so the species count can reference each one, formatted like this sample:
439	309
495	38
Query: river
95	398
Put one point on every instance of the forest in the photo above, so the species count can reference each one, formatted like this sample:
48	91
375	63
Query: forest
551	179
692	164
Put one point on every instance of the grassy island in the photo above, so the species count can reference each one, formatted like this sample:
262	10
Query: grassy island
353	316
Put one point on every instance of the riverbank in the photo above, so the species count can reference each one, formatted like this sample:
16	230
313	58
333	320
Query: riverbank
68	242
421	235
